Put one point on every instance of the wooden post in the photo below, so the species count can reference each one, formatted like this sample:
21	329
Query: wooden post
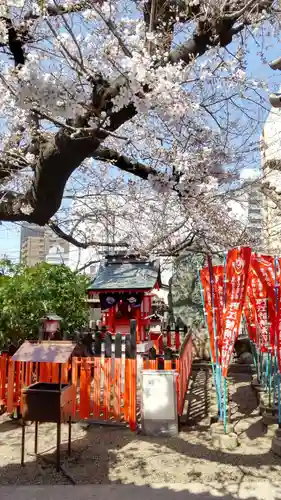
133	338
168	356
117	380
133	377
107	345
127	376
152	357
107	375
97	343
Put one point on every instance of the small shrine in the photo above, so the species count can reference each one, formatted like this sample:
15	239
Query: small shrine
124	285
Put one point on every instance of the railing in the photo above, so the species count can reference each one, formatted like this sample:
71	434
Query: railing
105	386
185	366
166	338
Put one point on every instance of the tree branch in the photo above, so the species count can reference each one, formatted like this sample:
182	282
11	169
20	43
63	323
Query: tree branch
12	207
125	163
63	154
57	10
90	263
79	244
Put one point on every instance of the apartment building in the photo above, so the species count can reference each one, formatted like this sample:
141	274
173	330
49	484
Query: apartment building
255	217
270	158
42	245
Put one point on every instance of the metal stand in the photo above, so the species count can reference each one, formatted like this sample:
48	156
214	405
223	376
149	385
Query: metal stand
58	446
42	401
22	443
69	436
36	439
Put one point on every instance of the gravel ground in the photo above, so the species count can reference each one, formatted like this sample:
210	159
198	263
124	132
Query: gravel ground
106	455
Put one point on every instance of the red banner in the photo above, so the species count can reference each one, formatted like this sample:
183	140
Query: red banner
263	266
217	272
261	292
251	320
205	282
258	299
237	271
278	316
278	326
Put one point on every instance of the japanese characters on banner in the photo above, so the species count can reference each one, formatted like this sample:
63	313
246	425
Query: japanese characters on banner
252	287
217	272
206	286
218	276
278	334
261	294
263	266
237	272
258	301
251	320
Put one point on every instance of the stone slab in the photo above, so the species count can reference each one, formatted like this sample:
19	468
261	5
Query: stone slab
218	428
247	489
225	441
276	446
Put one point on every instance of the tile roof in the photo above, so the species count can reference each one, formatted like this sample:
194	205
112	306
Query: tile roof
126	276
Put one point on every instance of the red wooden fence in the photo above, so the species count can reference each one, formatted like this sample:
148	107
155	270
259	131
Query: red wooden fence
184	369
105	388
168	338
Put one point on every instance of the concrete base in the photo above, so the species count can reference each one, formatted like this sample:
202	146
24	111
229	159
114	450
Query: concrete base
276	446
213	413
256	385
270	412
221	440
276	442
218	428
225	441
278	433
270	431
269	420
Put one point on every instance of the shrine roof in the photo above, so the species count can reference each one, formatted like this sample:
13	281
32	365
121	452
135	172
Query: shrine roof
126	276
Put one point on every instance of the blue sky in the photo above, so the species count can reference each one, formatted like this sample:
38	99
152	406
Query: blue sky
10	233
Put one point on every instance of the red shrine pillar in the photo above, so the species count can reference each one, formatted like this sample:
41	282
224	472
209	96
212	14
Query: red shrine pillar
177	339
111	319
139	324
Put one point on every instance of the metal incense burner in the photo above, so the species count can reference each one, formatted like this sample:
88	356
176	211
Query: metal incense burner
43	401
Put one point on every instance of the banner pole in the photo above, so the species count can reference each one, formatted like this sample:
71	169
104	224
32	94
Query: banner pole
270	379
261	367
218	371
224	309
225	403
206	325
275	380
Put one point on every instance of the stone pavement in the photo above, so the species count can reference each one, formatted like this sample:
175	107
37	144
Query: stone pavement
261	490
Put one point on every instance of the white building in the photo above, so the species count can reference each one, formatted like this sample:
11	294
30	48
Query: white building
270	158
57	255
247	206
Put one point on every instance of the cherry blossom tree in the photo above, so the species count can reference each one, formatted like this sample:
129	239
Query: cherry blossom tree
133	97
